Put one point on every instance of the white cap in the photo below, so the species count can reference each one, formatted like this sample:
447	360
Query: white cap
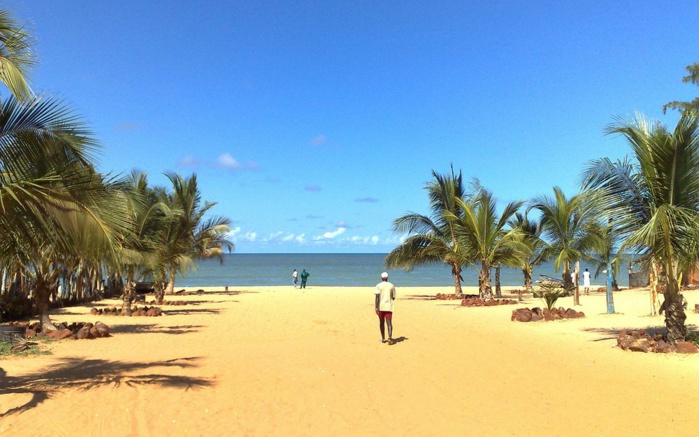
384	275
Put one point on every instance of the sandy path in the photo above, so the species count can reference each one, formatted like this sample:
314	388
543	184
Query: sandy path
279	361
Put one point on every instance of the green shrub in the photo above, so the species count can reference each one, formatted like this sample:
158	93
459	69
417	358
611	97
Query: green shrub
549	292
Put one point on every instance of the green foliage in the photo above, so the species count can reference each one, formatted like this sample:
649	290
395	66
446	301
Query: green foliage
14	307
32	349
693	337
549	292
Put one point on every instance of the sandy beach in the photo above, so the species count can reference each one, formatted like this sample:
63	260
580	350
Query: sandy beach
278	361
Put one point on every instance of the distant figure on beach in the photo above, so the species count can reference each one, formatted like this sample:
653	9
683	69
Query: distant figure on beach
586	281
385	294
295	275
304	278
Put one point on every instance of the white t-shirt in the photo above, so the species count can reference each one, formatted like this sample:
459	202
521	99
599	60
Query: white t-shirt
387	295
586	279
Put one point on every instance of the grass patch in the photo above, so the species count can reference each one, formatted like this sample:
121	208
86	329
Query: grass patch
32	349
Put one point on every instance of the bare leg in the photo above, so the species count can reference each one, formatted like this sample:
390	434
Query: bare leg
382	328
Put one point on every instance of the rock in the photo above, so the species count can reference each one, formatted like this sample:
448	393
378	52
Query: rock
522	315
102	329
153	312
580	314
663	348
59	334
536	317
640	345
93	311
624	340
570	314
84	333
686	347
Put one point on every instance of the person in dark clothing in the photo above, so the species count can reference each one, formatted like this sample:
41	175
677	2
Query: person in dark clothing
304	278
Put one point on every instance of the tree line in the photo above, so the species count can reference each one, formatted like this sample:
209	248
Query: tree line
69	232
645	204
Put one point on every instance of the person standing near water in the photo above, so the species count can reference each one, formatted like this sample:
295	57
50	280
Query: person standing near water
586	281
385	294
295	275
304	278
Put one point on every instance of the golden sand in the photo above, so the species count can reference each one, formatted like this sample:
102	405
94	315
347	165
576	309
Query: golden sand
278	361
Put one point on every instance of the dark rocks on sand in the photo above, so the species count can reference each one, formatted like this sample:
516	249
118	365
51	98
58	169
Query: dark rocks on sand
641	341
478	302
536	314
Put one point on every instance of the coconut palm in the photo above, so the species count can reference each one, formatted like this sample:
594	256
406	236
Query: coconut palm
16	57
486	236
190	235
432	239
565	223
531	236
655	200
692	77
605	253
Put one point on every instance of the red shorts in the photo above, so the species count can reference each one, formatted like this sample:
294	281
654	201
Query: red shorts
385	315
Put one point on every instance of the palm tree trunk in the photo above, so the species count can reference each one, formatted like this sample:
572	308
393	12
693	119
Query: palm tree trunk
673	305
484	289
498	289
41	295
456	272
127	298
527	272
159	292
170	289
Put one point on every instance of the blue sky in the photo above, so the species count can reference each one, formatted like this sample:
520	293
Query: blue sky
314	124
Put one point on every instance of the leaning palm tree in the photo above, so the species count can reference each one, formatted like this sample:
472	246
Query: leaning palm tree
486	235
432	239
655	201
565	224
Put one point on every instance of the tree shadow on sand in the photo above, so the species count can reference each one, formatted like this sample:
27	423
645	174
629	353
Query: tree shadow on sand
613	334
420	297
80	374
181	310
155	329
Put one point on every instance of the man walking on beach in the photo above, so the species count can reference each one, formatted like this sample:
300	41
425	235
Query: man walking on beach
295	275
385	294
304	277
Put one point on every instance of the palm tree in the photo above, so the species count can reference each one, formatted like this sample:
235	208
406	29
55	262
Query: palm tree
531	236
486	236
565	224
655	201
52	200
191	236
605	253
692	77
16	57
432	239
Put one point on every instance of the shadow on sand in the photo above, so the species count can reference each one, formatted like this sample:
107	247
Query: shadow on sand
612	334
155	329
77	373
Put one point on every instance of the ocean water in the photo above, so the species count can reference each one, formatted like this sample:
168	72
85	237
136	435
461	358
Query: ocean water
350	270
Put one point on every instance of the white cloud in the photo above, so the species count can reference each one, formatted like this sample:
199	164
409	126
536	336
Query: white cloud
251	236
228	161
233	232
330	235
